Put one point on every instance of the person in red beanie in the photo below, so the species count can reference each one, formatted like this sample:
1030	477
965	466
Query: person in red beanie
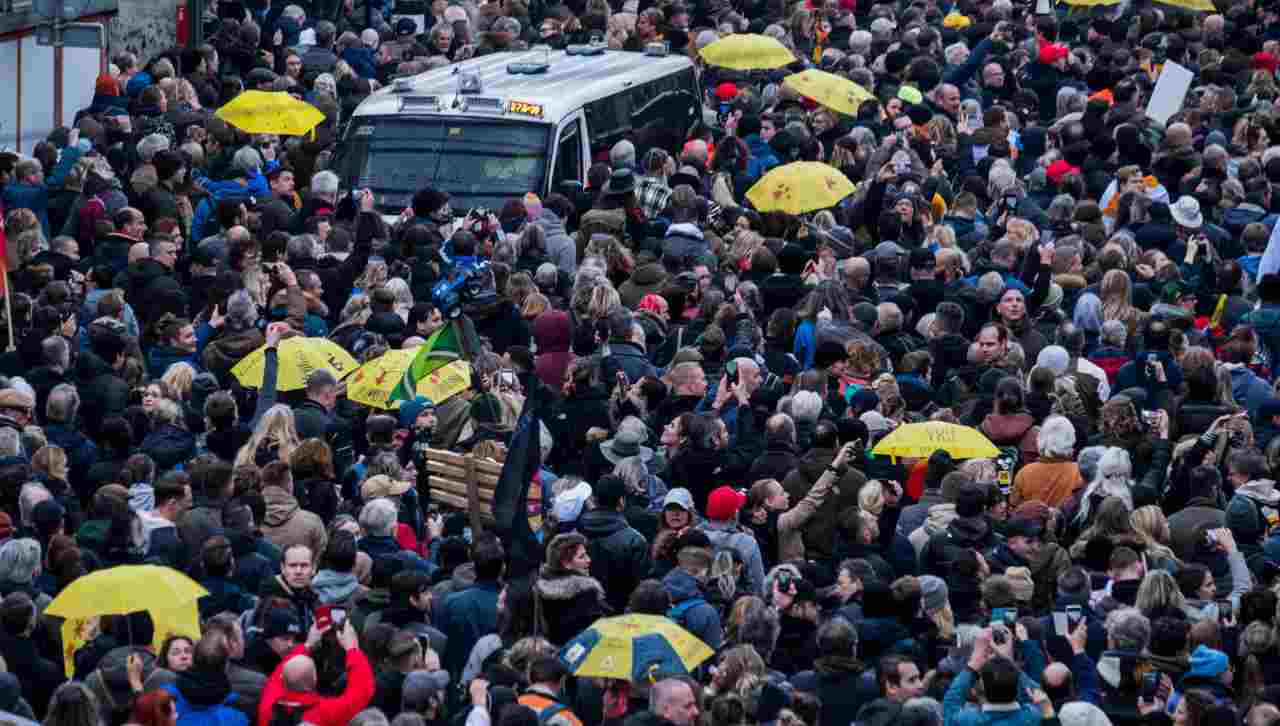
107	99
1264	61
722	528
1045	77
292	687
1058	170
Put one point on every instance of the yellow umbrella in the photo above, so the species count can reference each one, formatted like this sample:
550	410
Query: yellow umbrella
375	383
270	112
834	92
446	381
169	596
299	358
920	440
636	648
747	52
1197	5
799	187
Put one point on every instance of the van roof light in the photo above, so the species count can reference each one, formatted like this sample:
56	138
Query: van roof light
469	83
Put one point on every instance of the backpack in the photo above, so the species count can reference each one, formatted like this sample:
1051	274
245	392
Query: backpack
680	609
286	714
548	713
1008	462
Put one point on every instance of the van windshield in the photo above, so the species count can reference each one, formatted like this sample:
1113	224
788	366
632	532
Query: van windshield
481	163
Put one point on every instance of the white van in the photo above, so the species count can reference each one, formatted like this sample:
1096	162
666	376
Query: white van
494	128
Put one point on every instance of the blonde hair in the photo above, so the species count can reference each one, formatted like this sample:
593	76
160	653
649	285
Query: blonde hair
603	299
1152	528
277	428
944	235
178	378
534	305
871	497
1116	292
52	460
1159	591
357	310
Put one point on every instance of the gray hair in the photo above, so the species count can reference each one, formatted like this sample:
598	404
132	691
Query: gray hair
806	406
955	53
150	145
623	154
302	247
1057	438
10	442
860	42
635	474
166	412
379	517
63	404
1088	314
1088	461
31	494
19	561
247	160
242	311
664	691
1128	629
991	286
293	11
370	717
1002	177
1114	333
1070	101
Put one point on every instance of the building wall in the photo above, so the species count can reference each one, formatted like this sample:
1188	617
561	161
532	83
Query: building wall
42	87
143	27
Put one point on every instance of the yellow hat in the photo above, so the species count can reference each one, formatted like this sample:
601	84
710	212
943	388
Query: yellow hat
956	20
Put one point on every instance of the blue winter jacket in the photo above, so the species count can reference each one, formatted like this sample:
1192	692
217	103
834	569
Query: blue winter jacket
762	157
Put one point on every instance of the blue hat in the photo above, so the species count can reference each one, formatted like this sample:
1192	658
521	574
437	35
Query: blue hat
410	410
1207	662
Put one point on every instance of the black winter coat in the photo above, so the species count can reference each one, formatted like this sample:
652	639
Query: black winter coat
619	554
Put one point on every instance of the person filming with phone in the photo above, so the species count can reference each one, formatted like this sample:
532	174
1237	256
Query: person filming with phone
291	694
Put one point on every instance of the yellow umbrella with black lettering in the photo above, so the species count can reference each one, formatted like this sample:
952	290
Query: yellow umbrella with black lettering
747	52
920	440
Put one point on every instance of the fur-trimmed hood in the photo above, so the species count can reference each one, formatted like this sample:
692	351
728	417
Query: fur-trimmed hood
561	585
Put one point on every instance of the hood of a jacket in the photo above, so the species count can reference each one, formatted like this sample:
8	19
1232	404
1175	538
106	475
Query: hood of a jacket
648	275
681	586
1007	427
969	531
332	586
553	332
601	523
204	687
281	506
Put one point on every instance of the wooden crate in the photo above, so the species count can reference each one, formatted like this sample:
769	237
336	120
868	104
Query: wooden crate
464	483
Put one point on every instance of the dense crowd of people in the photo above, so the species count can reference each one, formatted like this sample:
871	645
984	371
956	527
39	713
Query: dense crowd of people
1027	253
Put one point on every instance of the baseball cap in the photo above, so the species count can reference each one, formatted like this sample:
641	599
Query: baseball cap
406	26
724	503
680	497
281	622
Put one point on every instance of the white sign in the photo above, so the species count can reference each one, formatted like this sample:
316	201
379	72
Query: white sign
1171	91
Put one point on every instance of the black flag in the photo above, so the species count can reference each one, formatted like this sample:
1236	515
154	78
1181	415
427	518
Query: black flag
511	517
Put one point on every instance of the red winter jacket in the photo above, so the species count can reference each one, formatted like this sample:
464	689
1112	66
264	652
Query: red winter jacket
322	710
